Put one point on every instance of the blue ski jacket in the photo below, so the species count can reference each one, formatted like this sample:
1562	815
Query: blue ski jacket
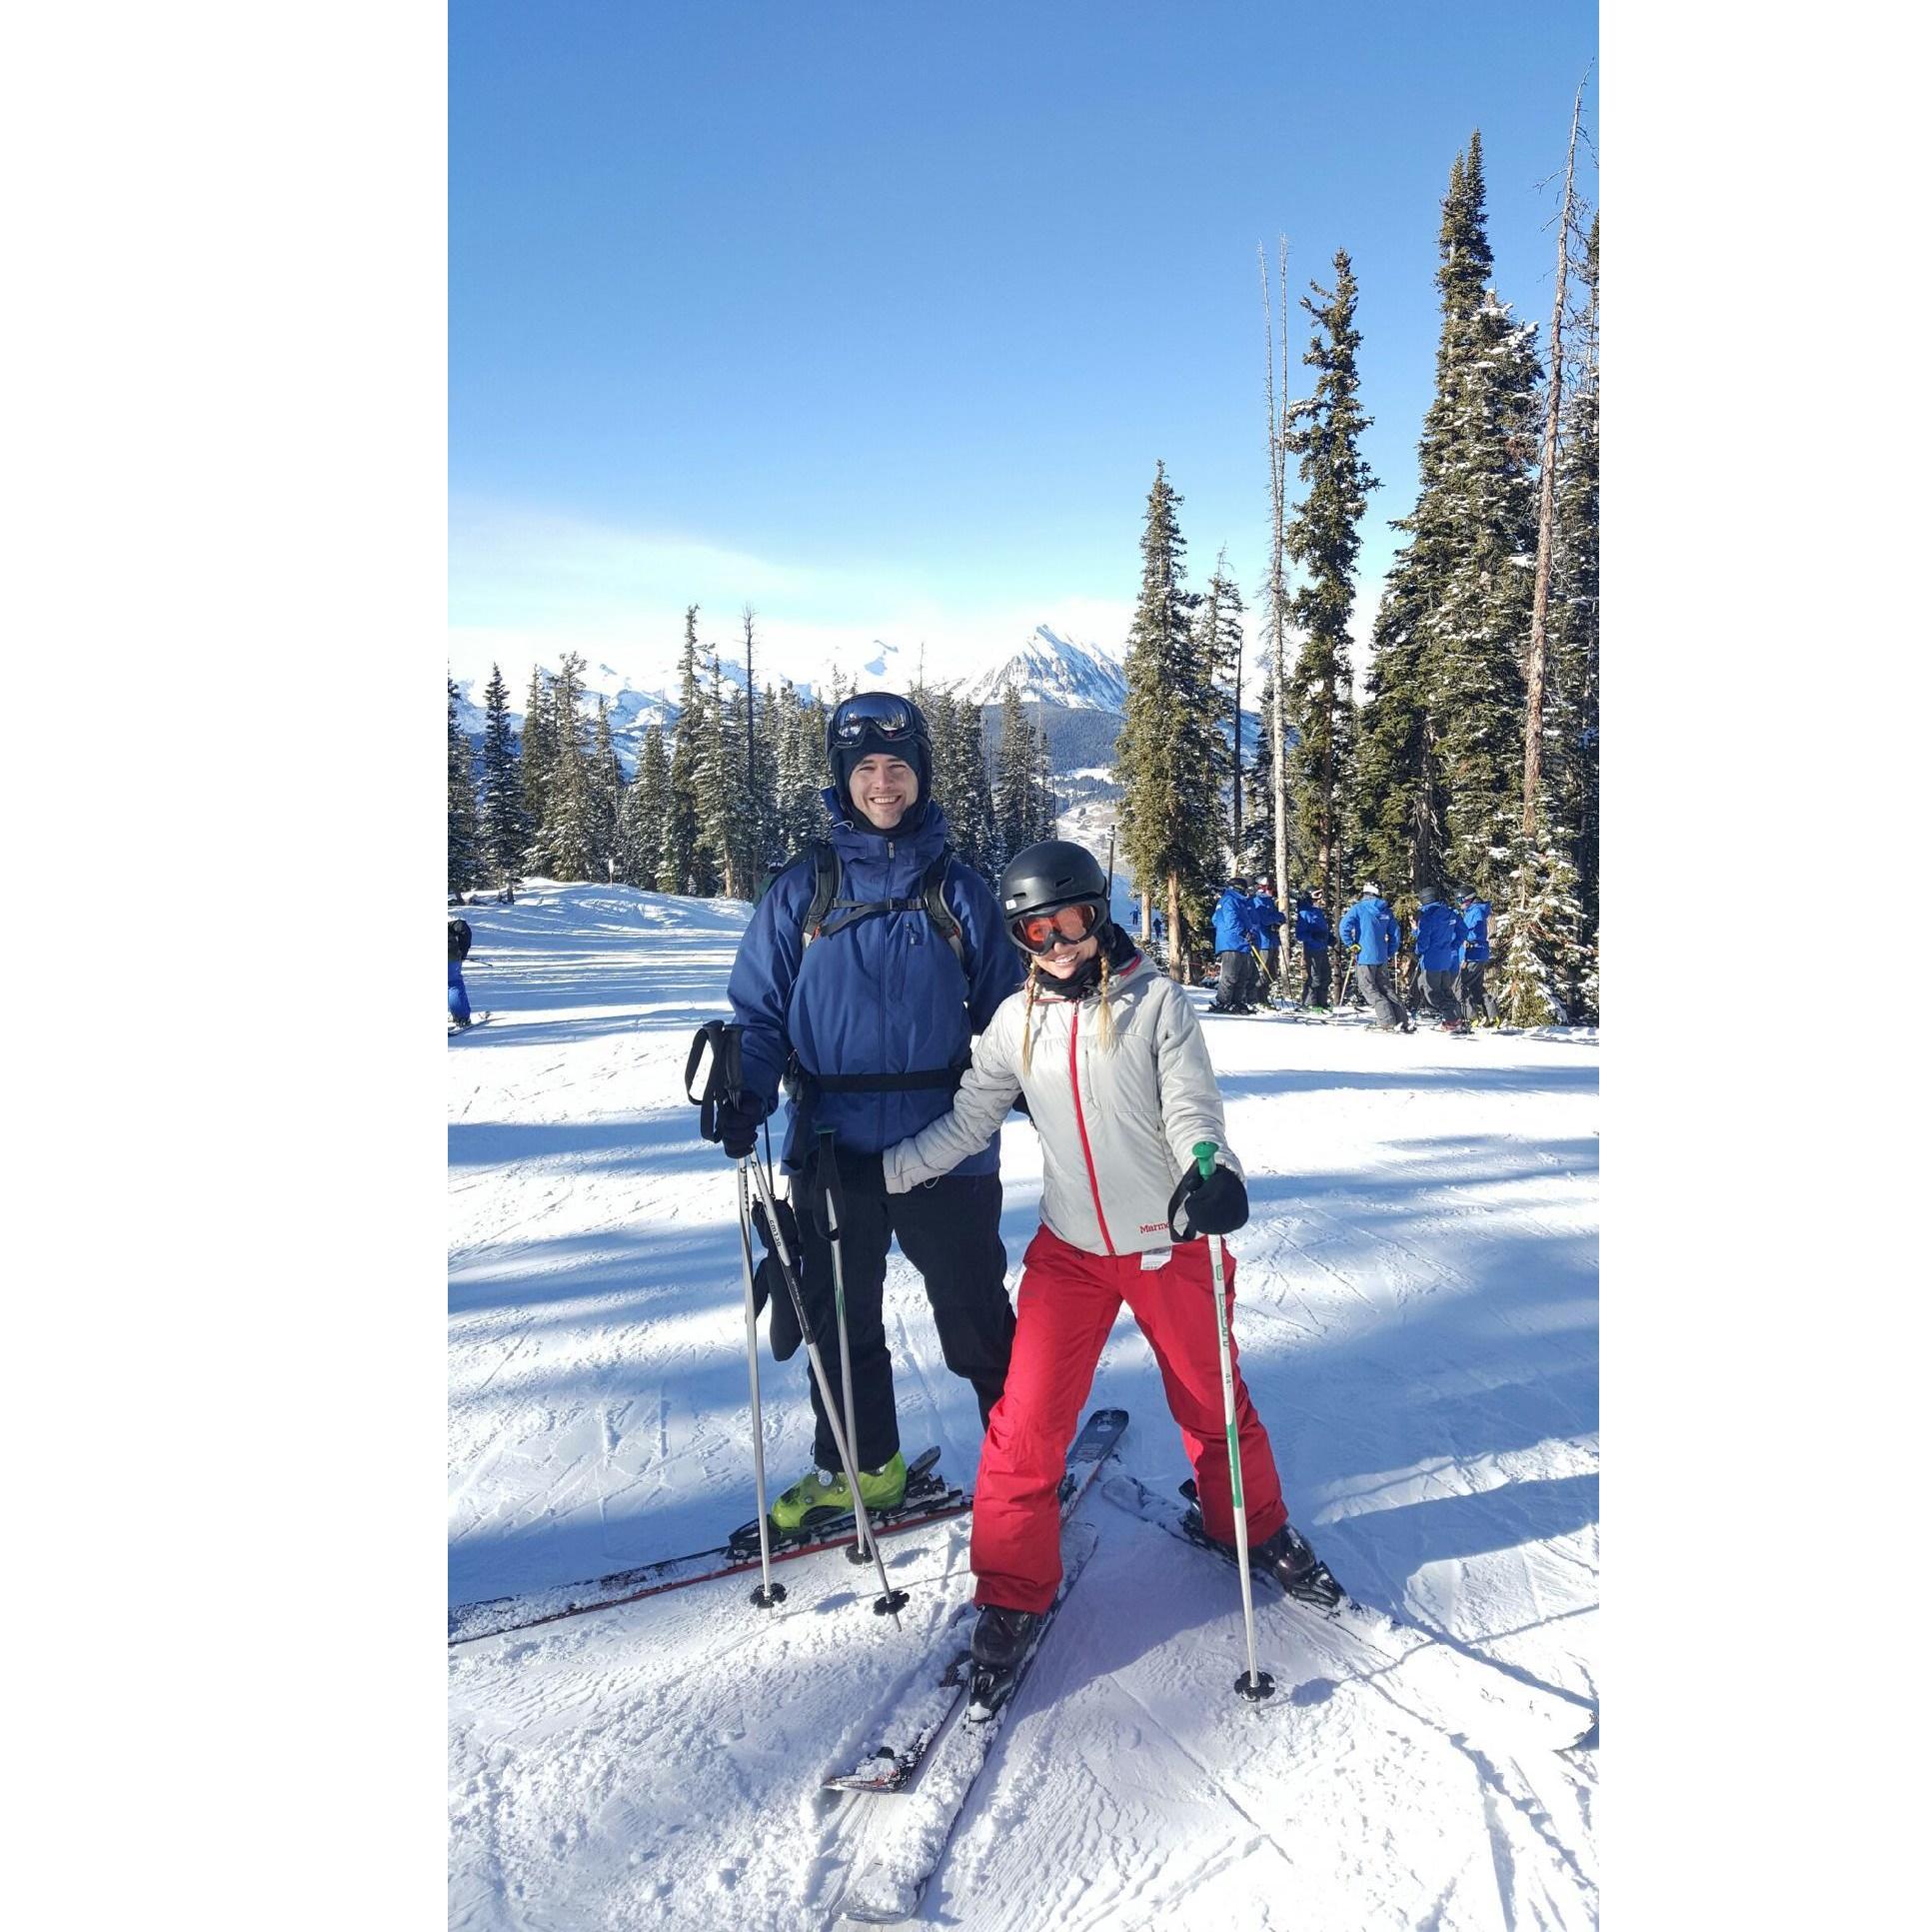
881	996
1266	918
1311	927
1439	938
1476	926
1234	921
1369	924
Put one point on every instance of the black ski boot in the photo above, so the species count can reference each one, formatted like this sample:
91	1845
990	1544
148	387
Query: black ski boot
1002	1640
1287	1557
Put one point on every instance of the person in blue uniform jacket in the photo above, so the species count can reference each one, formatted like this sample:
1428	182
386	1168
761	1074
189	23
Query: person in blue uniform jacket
1475	960
1438	948
1312	936
1233	931
873	1018
1371	927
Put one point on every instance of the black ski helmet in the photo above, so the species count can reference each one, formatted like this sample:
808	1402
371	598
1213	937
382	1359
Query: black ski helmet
1051	875
878	721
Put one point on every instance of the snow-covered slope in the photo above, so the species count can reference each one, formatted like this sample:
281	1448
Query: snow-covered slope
1416	1317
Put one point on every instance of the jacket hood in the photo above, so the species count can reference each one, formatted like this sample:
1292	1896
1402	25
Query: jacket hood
919	834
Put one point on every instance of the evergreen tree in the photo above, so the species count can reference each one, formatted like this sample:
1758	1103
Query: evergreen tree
1573	624
1169	816
1324	538
1540	984
1220	642
536	752
721	786
1441	736
959	781
506	829
567	840
683	863
1016	811
640	817
464	840
606	794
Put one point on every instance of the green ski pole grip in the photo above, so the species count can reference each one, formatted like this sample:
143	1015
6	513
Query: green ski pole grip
1205	1153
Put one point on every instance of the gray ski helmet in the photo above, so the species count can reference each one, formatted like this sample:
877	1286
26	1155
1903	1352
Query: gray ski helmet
878	721
1051	875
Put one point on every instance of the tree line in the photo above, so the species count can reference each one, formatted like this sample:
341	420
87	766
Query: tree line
1472	761
719	802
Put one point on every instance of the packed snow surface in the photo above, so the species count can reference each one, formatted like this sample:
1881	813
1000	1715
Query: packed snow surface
1416	1319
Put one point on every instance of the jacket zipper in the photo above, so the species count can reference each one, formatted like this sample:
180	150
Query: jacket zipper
1080	1120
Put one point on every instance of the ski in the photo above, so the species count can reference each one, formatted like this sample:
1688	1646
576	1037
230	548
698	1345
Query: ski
899	1738
893	1876
1465	1690
475	1020
935	1502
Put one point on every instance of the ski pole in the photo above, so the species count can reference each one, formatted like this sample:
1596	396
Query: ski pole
767	1593
829	1214
893	1601
730	1044
1257	1684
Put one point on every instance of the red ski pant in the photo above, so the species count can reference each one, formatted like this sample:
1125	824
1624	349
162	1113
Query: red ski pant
1068	1302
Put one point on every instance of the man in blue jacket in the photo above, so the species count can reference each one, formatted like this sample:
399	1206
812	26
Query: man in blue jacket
1438	949
1371	927
872	1017
1233	929
1312	936
1268	920
1475	960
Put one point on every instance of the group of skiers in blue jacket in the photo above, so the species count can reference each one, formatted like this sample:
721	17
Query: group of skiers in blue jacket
1451	948
1451	944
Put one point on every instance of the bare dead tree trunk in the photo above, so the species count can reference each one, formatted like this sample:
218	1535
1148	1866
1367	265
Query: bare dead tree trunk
1538	672
1278	623
753	843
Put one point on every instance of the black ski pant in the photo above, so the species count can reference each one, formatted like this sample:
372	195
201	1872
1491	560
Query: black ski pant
1440	989
950	1231
1314	978
1377	988
1475	995
1230	988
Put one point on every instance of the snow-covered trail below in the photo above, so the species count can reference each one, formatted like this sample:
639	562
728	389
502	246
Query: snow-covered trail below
1417	1323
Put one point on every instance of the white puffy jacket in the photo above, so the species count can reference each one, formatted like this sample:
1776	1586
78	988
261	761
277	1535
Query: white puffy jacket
1117	1122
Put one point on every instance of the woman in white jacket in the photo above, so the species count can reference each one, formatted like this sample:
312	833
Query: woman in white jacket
1116	1078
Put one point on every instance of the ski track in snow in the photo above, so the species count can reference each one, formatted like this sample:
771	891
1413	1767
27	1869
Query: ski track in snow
1416	1314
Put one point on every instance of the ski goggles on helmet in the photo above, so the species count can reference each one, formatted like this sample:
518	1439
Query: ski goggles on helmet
1067	925
874	714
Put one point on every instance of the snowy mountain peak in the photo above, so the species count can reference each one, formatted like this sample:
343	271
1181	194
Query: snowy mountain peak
1082	676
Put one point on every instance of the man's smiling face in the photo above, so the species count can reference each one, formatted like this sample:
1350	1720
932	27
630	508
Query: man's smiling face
883	788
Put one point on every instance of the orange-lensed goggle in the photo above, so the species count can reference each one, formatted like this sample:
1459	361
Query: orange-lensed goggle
1036	932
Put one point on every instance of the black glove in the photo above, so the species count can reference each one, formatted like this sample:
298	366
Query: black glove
737	1124
1217	1205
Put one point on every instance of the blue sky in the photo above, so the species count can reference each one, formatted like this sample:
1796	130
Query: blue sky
878	317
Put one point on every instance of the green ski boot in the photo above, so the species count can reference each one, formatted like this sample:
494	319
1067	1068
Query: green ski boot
819	1494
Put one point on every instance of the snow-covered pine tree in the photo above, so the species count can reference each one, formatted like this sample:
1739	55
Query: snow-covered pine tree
799	773
1015	792
536	759
959	781
1046	806
566	846
1218	626
640	817
1536	936
1573	626
464	842
720	782
505	831
1169	816
1324	538
1442	734
683	863
606	794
